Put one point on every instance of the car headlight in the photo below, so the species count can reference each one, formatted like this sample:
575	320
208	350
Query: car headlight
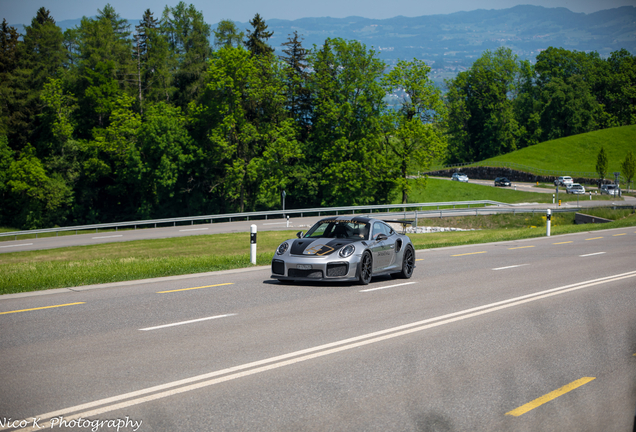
282	248
347	251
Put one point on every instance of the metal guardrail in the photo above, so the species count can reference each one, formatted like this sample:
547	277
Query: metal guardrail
523	168
248	215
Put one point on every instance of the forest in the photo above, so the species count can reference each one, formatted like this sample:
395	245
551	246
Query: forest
104	122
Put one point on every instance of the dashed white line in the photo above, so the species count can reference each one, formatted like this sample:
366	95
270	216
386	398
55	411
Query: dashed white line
111	236
24	244
194	229
186	322
275	223
509	267
596	253
385	287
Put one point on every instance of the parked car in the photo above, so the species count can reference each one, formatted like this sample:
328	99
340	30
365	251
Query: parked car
502	181
344	249
575	189
564	181
460	177
610	189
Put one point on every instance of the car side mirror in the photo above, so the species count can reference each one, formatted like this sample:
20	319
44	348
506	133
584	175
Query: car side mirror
299	234
381	237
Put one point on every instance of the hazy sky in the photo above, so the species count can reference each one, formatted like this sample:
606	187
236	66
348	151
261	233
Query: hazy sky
22	11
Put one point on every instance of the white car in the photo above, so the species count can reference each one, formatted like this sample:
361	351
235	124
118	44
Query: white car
564	181
610	189
460	177
575	189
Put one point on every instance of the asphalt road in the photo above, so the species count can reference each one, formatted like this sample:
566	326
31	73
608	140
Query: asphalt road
535	335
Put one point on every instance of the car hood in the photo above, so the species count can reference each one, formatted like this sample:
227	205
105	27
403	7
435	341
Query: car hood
318	246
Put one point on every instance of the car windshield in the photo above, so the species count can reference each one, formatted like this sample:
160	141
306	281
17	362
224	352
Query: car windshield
346	229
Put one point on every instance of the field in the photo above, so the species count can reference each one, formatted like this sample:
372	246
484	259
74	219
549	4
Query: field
577	153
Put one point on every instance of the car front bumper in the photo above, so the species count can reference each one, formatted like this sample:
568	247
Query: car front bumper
315	268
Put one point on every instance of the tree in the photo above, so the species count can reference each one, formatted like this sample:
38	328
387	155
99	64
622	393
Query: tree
296	80
241	120
602	164
414	129
629	166
256	41
344	155
9	42
41	55
157	164
227	34
188	39
154	62
482	123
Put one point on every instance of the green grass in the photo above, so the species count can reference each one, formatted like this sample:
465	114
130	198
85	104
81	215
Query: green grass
577	153
113	262
438	190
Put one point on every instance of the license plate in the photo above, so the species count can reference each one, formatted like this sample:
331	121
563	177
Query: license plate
303	266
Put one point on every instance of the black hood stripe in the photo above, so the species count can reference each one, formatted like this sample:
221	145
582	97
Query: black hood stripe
301	245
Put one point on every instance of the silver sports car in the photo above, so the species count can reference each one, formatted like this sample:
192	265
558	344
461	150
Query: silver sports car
345	249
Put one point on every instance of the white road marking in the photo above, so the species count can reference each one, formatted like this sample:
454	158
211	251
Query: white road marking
186	322
193	229
597	253
509	267
275	223
112	236
161	391
24	244
385	287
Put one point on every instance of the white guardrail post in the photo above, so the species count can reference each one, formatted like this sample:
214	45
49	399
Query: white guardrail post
253	244
548	219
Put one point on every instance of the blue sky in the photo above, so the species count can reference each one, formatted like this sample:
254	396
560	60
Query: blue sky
22	11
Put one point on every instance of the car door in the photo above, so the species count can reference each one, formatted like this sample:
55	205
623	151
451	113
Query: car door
383	251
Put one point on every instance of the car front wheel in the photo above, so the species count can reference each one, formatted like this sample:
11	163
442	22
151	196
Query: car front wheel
366	268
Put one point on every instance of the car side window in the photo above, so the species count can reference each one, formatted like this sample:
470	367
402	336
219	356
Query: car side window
381	228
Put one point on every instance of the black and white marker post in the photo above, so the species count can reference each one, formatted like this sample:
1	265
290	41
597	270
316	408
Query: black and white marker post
548	220
253	244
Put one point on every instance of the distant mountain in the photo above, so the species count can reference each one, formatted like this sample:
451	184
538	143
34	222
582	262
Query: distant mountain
452	42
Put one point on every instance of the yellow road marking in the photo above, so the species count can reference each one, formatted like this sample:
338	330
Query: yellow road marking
520	247
619	234
420	259
563	242
43	307
188	289
594	238
548	397
471	253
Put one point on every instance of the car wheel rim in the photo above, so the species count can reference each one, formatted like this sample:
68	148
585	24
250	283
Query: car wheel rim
366	267
409	262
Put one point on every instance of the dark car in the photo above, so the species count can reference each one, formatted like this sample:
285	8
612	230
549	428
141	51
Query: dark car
502	181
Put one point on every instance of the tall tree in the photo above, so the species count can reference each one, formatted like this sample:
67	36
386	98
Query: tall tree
602	164
9	41
154	62
344	156
188	37
629	167
227	34
297	83
249	141
482	123
414	130
41	55
105	69
256	41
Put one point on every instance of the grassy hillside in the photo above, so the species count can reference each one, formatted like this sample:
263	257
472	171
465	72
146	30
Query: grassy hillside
438	190
577	153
